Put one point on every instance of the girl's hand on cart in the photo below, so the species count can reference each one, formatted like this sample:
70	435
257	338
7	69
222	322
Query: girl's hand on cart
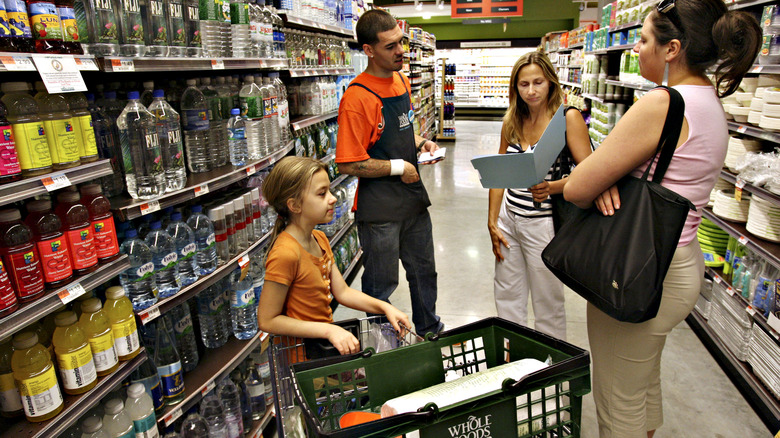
398	319
344	341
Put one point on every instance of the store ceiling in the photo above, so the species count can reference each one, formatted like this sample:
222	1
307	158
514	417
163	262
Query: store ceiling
539	17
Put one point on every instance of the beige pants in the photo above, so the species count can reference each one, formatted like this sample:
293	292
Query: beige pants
627	357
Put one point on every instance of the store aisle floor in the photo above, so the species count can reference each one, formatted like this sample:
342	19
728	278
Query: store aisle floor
700	401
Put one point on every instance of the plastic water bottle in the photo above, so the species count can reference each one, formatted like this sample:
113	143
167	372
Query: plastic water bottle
138	279
107	139
239	22
177	27
257	219
205	241
156	34
217	132
209	29
243	306
225	32
250	224
140	150
184	334
141	410
264	367
116	421
255	35
147	93
230	224
195	124
211	315
266	46
168	364
212	411
192	29
103	28
237	138
239	215
165	259
194	426
271	120
169	134
256	389
146	375
217	218
131	41
251	100
283	109
258	276
92	427
184	240
230	397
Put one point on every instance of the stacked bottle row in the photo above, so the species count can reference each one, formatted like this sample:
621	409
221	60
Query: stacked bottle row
317	141
342	211
316	96
308	49
41	26
241	29
86	343
331	12
53	245
346	249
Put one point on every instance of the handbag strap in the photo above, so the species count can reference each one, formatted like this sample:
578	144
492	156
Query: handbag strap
669	136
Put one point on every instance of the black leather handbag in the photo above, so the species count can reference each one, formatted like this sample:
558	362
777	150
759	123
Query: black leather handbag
618	263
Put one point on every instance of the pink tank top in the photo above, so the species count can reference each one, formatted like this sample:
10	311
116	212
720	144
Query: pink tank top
696	163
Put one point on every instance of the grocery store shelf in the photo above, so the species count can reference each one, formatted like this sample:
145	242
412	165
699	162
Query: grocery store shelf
320	71
33	186
754	132
422	44
198	184
338	180
259	425
445	137
334	239
595	98
76	406
571	84
631	25
762	192
353	266
214	365
747	3
303	122
303	23
36	310
718	277
766	250
24	62
577	46
620	48
766	406
189	291
643	87
117	64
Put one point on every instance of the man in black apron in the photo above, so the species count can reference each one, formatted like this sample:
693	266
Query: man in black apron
392	204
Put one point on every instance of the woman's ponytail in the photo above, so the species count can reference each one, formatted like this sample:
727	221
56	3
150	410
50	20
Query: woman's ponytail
738	38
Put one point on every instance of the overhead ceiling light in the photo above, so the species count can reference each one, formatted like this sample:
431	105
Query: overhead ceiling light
426	16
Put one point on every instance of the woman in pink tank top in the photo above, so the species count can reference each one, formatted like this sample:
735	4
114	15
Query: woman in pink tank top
679	41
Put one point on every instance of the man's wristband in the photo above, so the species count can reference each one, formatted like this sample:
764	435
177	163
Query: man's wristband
396	167
419	146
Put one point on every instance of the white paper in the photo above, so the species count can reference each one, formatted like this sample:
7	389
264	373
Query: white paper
59	73
438	154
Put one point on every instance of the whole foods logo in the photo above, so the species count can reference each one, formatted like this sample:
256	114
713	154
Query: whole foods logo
7	135
84	234
403	120
55	245
29	257
473	427
41	132
203	115
68	127
99	226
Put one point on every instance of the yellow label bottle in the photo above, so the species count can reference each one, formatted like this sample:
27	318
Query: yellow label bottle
85	135
63	145
120	313
74	357
35	377
96	325
10	402
31	146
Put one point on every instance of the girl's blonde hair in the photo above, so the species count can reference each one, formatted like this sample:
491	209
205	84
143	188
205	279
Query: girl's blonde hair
288	180
518	110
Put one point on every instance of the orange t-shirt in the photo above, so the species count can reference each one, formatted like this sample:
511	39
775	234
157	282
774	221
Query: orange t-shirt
307	276
360	115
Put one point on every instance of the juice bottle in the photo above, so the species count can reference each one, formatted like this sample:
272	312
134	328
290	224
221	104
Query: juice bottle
96	325
46	26
82	124
10	402
78	229
60	132
120	313
51	243
101	221
71	35
76	305
19	22
44	337
35	377
10	170
29	135
6	44
8	302
74	357
20	256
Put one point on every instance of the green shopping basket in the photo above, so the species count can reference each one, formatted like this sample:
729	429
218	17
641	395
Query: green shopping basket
546	403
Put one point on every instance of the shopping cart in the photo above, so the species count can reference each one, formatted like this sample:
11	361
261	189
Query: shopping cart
285	351
546	403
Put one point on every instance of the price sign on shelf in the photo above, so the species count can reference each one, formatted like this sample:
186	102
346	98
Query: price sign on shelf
738	193
172	416
71	293
17	63
88	64
122	64
149	207
743	240
243	261
750	310
757	69
217	64
202	189
149	315
717	279
730	290
59	73
208	388
742	129
250	170
55	182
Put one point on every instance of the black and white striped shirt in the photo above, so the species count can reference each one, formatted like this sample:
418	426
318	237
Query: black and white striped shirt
520	201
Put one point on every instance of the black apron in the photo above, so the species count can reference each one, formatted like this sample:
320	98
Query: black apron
387	198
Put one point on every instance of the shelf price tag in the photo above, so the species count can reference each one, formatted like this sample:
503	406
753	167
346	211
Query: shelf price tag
773	322
742	129
251	170
202	189
243	261
730	291
757	69
217	64
71	293
122	64
149	314
172	416
717	279
150	207
208	388
17	63
55	182
87	64
750	310
742	240
738	193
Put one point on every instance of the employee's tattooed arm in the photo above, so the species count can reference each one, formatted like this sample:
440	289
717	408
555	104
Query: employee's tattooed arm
371	168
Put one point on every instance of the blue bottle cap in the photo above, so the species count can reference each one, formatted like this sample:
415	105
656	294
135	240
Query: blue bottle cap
110	95
197	208
132	95
175	216
131	233
158	93
156	225
235	112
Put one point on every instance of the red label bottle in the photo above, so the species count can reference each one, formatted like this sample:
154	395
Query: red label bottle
101	221
10	169
51	243
8	302
78	231
20	256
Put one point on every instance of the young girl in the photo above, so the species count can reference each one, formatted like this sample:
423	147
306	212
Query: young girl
301	277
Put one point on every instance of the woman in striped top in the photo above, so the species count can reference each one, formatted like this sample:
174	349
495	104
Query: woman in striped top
519	230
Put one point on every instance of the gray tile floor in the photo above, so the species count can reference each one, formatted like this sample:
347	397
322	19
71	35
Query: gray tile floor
699	400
